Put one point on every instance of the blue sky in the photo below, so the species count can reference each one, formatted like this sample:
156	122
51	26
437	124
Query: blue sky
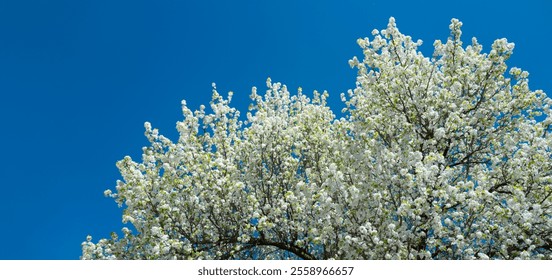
79	78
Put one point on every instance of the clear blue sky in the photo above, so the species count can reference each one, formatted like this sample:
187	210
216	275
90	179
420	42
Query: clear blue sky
79	78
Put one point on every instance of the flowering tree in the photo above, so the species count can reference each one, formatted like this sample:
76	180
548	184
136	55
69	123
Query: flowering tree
437	158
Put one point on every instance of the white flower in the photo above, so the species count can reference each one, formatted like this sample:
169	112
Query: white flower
439	133
482	256
155	231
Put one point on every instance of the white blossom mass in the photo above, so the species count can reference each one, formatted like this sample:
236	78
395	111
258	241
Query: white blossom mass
441	157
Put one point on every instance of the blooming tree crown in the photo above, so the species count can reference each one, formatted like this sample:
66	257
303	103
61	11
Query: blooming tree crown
441	157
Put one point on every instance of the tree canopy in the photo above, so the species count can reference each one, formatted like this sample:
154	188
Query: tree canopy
441	157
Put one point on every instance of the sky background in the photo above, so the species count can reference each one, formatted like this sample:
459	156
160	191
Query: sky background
78	79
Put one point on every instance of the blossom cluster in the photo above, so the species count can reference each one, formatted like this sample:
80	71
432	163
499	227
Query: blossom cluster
441	157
